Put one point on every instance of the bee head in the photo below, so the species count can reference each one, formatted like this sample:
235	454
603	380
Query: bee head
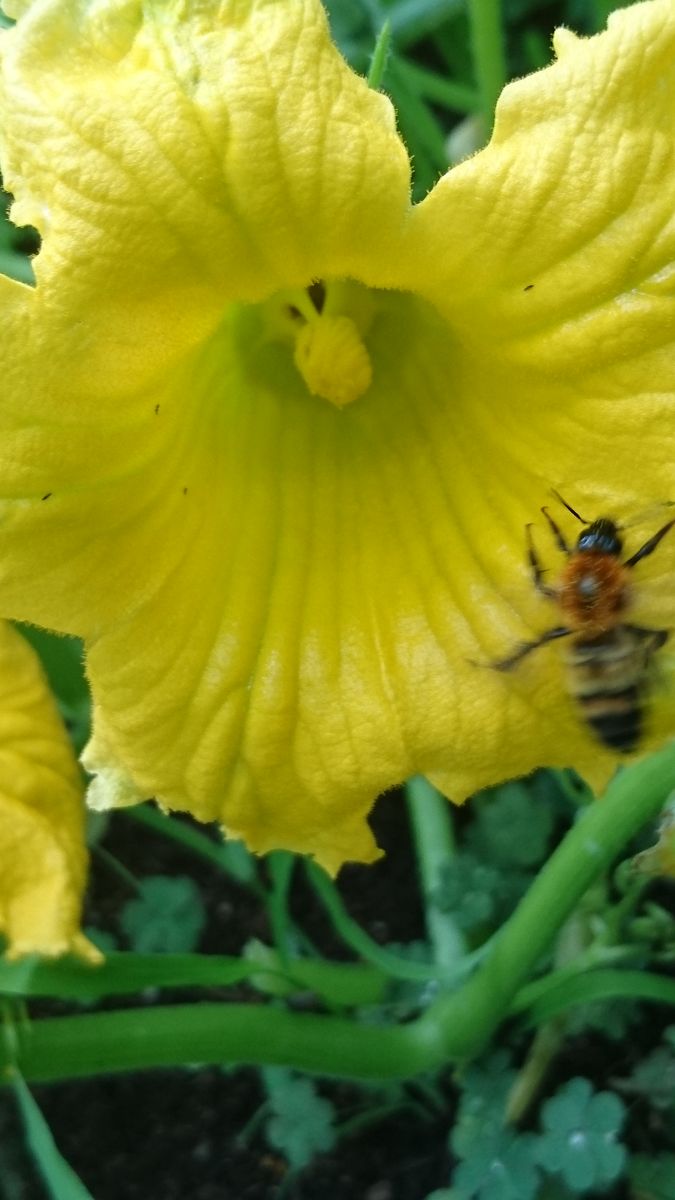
602	536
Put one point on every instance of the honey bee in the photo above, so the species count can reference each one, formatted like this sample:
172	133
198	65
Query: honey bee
607	659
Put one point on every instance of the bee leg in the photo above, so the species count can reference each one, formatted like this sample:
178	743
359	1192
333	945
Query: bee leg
556	531
649	546
505	664
536	567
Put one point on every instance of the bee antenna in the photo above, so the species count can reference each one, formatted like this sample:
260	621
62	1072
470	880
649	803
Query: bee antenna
569	507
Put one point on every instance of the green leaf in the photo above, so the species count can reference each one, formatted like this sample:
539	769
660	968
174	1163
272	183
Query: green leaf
423	133
16	266
669	1036
501	1168
512	829
579	1141
467	889
302	1123
652	1178
352	30
58	1176
429	85
480	1115
611	1018
654	1078
167	917
102	938
411	20
236	860
62	659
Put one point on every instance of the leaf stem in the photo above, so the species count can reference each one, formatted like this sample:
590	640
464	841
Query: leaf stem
378	62
431	822
487	44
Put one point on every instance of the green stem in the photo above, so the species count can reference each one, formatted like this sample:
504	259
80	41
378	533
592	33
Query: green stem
378	62
355	937
589	962
280	865
633	798
599	985
431	822
117	868
62	1047
530	1078
571	945
192	839
125	973
487	44
455	1028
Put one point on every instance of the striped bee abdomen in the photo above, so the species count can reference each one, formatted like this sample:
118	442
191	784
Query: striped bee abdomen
615	717
607	679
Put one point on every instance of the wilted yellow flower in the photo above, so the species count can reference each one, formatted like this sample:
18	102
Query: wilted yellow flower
269	435
43	860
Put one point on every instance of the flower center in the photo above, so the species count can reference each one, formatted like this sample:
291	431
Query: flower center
327	324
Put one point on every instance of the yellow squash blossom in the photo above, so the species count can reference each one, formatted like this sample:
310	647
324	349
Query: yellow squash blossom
42	856
270	435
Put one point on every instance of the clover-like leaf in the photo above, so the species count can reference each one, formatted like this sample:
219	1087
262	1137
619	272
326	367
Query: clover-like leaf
468	889
503	1167
167	917
512	828
654	1078
302	1123
579	1141
481	1109
610	1018
669	1035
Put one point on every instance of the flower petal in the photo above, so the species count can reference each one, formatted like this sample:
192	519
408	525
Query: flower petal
284	602
554	247
172	156
42	850
551	254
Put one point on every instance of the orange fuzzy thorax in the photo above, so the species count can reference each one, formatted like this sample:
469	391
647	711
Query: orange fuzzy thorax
593	592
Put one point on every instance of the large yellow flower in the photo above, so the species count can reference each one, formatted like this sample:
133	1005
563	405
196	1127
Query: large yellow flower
42	856
269	436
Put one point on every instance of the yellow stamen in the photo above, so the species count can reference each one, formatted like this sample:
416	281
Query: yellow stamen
333	360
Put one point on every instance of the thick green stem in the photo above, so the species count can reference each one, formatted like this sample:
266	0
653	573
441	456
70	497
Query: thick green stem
184	1034
455	1028
487	44
634	797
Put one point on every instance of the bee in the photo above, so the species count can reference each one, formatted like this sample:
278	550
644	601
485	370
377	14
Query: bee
607	659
